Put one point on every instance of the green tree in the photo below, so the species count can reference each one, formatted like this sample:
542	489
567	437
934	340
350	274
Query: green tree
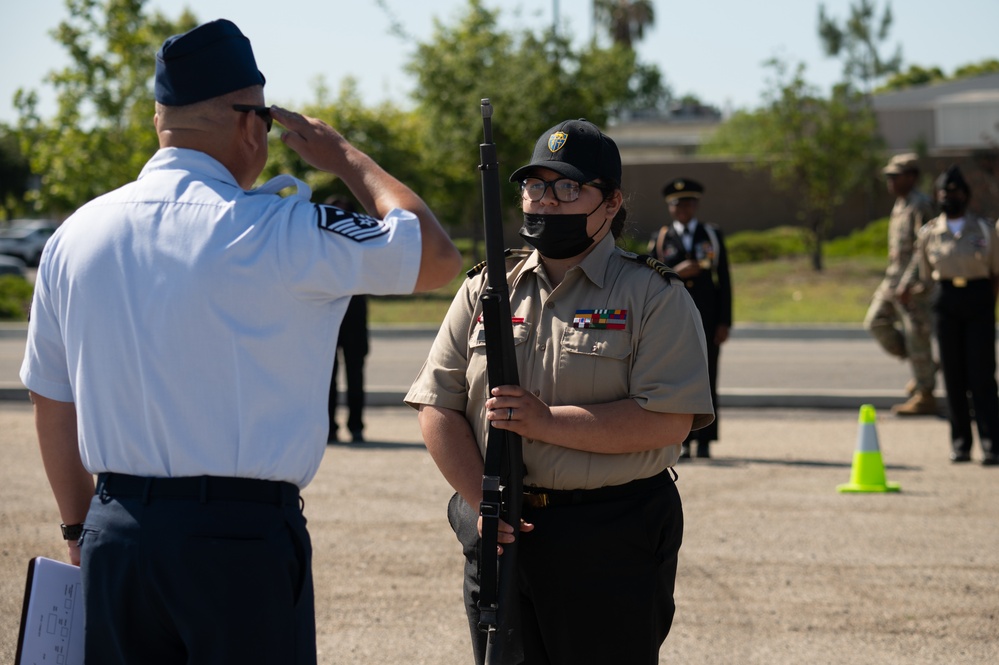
913	76
818	150
625	20
14	175
858	40
533	79
988	66
916	75
102	132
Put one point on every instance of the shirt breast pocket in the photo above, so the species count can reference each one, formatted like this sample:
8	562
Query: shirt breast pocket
594	365
477	376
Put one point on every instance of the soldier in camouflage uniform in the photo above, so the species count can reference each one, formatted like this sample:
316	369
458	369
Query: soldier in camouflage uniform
900	318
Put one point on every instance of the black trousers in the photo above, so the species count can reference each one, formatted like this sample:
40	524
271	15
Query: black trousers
182	581
966	333
596	579
709	433
352	346
353	364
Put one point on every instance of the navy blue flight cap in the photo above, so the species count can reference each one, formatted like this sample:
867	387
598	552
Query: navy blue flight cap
576	149
211	60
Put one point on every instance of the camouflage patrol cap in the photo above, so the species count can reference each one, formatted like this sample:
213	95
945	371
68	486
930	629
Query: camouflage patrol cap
907	162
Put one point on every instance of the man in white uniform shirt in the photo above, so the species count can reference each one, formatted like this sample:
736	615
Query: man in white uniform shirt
180	348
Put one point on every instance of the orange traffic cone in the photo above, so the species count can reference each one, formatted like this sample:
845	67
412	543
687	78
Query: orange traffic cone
868	472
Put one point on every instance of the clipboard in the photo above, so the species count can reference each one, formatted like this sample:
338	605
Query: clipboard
52	617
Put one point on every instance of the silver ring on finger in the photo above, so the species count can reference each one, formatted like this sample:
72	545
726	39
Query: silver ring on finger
509	413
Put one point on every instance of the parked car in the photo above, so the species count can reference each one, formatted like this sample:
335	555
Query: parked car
25	239
10	265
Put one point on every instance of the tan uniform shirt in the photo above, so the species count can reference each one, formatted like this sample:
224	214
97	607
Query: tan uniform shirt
613	329
974	254
908	215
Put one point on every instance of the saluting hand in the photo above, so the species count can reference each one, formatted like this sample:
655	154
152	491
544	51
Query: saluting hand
317	143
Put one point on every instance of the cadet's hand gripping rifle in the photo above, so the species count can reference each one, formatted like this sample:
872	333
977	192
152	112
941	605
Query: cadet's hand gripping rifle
502	481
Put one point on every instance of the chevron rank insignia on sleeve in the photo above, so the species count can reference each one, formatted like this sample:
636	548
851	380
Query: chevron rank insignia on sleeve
356	226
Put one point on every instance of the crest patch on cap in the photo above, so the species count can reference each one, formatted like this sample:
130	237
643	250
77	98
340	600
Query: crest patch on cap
556	141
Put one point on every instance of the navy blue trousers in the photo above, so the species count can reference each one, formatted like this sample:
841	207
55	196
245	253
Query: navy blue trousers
170	581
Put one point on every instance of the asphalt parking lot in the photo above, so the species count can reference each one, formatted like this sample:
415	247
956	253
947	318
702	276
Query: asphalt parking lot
776	568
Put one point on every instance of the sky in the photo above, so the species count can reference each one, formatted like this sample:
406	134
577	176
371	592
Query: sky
714	49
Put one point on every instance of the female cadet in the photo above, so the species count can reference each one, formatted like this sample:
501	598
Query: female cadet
961	253
613	375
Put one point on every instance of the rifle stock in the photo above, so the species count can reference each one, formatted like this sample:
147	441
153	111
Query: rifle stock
502	481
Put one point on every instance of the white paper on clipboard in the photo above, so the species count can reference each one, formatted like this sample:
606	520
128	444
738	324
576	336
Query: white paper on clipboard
52	618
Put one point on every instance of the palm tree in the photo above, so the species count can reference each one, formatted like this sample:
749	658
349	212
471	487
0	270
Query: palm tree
625	20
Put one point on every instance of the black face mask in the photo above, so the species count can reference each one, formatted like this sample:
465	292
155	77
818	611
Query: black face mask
558	236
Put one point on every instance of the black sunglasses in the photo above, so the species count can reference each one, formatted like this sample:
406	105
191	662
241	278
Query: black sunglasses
263	111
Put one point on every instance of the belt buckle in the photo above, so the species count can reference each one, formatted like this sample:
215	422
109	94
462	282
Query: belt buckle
959	282
536	499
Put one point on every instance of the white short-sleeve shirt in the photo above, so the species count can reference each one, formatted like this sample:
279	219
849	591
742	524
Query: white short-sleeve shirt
194	323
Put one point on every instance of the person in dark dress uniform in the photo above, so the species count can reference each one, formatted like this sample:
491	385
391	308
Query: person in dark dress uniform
352	346
696	251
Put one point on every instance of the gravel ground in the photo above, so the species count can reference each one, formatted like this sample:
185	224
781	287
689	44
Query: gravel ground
776	566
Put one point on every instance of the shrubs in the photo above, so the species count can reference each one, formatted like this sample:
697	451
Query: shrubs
15	298
789	242
775	243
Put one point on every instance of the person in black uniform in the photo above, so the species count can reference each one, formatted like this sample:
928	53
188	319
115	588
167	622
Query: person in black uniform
352	346
960	252
696	251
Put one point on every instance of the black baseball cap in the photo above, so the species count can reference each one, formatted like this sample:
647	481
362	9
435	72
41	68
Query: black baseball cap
208	61
576	149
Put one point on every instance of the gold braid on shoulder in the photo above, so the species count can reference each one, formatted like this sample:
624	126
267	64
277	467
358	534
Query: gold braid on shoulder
664	270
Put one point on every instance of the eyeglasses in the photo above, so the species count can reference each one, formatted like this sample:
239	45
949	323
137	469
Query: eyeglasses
563	189
263	111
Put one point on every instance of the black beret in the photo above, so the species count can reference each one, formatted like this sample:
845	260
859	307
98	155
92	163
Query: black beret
211	60
952	178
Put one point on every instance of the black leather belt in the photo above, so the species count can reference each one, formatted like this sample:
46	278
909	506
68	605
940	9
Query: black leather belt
199	488
961	282
539	497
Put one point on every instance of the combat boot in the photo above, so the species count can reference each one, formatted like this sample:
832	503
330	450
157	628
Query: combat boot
923	403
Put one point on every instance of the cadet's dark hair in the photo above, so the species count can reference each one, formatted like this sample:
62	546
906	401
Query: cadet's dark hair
617	224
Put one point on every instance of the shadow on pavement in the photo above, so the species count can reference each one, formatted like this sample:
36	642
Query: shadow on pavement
746	461
376	445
